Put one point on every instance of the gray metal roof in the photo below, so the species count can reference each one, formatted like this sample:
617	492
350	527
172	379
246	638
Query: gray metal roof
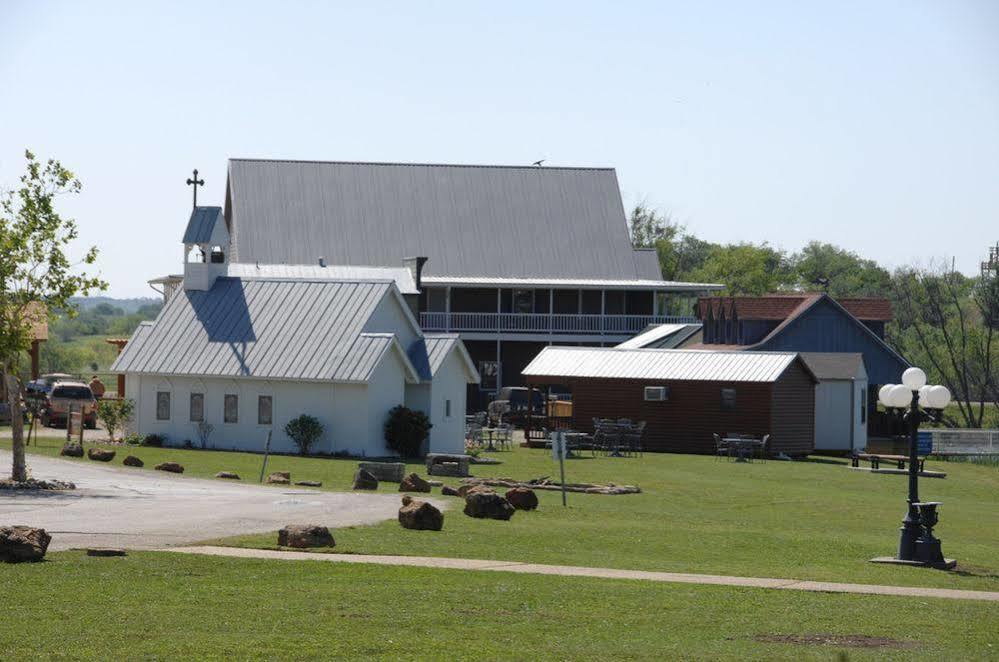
664	364
661	336
428	353
835	365
469	220
570	283
200	225
401	276
268	329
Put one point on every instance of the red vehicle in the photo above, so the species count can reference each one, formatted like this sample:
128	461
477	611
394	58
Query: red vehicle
65	396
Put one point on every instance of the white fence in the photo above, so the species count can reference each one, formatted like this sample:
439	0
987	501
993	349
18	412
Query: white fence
965	442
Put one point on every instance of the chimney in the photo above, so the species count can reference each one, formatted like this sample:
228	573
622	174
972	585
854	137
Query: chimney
322	261
415	266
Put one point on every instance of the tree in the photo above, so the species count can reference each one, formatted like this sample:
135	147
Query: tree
745	268
115	414
405	431
304	431
840	272
36	276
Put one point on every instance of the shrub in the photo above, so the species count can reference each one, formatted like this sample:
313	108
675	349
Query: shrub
406	430
133	440
156	440
116	414
304	431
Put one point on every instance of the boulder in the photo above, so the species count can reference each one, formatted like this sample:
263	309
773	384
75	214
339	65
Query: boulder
72	449
365	480
279	478
310	483
386	472
465	490
305	535
23	543
172	467
447	490
229	475
100	454
487	505
413	483
132	461
420	515
522	498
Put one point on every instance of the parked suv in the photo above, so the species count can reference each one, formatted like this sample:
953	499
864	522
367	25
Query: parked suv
65	395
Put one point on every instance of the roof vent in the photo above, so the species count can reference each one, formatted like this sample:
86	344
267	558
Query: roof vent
322	261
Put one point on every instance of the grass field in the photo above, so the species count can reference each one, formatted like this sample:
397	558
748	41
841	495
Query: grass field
158	606
805	520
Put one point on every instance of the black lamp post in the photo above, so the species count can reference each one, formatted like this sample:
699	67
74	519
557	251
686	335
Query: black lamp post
916	545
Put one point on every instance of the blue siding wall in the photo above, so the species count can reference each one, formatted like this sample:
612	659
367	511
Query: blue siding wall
825	328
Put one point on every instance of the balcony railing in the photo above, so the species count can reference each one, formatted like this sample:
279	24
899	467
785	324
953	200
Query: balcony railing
543	323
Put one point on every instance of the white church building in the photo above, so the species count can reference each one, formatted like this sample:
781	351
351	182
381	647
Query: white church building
245	348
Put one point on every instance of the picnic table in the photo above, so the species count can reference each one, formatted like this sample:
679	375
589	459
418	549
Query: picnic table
876	458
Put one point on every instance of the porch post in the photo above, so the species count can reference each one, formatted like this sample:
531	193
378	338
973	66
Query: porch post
551	311
447	308
603	310
530	413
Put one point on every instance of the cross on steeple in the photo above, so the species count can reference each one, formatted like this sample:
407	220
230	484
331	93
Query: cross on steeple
195	183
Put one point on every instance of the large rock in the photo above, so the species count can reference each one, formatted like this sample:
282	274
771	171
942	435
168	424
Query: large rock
421	515
365	480
487	505
23	543
466	489
522	498
228	475
171	467
100	454
132	461
279	478
310	483
413	483
72	449
305	535
386	472
447	490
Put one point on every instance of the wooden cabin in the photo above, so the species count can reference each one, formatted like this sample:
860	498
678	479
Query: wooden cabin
687	396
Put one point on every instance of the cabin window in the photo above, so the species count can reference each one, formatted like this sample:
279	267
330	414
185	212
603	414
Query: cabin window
656	393
447	409
230	408
197	407
265	408
728	399
162	405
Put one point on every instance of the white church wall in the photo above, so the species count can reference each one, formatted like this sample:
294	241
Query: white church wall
447	409
389	317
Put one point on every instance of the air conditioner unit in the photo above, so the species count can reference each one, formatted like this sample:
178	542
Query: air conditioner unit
656	393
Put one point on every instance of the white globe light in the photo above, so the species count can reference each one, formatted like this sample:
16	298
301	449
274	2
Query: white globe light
914	379
900	396
924	395
939	397
883	394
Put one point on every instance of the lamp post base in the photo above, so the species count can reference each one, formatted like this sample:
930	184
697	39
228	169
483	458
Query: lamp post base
945	564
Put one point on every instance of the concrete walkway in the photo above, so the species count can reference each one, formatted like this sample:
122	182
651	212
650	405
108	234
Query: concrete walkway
604	573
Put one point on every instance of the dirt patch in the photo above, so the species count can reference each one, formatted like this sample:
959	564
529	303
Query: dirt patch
846	640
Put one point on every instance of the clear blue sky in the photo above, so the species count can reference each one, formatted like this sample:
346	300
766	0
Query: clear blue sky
873	125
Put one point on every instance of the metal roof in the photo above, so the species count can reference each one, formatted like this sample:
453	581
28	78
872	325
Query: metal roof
568	283
401	276
268	329
519	222
661	336
835	365
201	224
659	364
428	353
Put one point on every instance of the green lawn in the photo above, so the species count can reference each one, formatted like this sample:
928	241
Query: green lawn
806	520
159	605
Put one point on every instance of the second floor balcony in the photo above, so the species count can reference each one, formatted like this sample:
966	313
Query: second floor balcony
553	323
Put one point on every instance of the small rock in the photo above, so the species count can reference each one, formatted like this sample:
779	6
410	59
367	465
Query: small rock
106	551
465	490
487	505
100	454
420	515
365	480
435	483
23	543
279	478
172	467
447	490
522	498
132	461
413	483
72	450
228	475
305	535
310	483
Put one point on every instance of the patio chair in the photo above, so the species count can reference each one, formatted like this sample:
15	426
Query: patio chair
633	438
505	436
763	447
721	447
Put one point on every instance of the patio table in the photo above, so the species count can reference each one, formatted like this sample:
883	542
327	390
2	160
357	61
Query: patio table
489	432
744	447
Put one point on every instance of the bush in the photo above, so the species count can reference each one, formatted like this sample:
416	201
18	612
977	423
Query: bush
133	440
116	414
406	430
304	431
155	440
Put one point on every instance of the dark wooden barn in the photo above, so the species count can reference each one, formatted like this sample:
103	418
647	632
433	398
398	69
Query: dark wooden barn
687	396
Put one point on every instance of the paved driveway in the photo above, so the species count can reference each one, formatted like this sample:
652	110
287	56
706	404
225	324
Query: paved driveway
141	509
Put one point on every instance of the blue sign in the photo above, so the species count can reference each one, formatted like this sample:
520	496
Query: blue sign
924	446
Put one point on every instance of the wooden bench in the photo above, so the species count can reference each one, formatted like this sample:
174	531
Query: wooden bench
876	458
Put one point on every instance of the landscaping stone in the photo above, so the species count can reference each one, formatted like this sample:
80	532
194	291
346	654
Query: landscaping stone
35	484
435	483
389	472
229	475
172	467
310	483
132	461
19	544
365	480
522	498
106	551
305	535
465	490
447	490
279	478
72	449
420	515
487	505
413	483
100	454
